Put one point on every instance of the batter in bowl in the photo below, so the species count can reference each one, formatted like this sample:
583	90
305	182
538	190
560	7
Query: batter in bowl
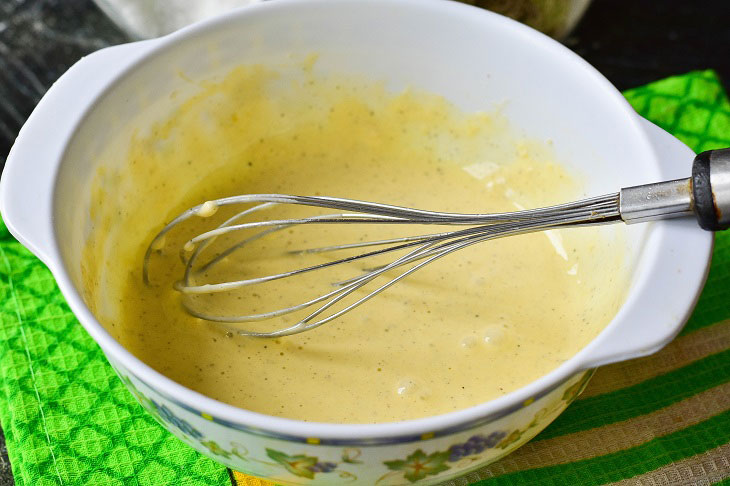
466	329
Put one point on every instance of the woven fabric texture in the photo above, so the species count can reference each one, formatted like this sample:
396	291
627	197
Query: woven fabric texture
664	419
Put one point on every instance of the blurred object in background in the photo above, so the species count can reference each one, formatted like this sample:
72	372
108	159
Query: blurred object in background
143	19
556	18
39	40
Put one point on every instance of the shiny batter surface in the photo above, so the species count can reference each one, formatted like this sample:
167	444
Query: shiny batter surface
470	327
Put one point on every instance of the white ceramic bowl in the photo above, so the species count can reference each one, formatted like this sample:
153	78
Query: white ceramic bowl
476	59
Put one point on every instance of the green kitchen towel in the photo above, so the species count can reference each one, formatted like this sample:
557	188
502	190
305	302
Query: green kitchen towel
664	419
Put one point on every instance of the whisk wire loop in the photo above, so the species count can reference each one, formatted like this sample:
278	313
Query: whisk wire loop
421	249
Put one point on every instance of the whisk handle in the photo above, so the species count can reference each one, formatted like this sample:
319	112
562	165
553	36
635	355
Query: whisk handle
711	189
706	195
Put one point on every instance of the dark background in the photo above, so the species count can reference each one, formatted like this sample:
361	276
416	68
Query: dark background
632	42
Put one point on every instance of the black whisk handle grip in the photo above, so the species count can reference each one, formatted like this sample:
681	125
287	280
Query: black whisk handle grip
711	189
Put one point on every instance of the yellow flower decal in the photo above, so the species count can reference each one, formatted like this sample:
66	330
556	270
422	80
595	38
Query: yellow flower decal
510	439
576	389
419	465
299	465
216	449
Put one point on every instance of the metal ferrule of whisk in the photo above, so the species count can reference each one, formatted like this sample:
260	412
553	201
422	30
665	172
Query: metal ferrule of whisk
706	195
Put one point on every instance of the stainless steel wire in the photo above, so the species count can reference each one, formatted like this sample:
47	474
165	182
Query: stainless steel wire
419	250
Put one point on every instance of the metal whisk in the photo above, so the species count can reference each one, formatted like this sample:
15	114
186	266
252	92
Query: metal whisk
706	195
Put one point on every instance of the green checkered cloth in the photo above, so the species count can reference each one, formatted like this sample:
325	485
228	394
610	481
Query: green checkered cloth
664	419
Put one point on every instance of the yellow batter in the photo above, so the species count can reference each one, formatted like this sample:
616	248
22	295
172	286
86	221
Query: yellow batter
468	328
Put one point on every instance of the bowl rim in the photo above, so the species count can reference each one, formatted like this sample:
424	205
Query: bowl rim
363	434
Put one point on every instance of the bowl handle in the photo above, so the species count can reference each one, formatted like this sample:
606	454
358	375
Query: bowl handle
648	331
28	180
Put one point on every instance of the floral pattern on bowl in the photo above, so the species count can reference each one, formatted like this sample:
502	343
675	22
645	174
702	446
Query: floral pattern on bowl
425	461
